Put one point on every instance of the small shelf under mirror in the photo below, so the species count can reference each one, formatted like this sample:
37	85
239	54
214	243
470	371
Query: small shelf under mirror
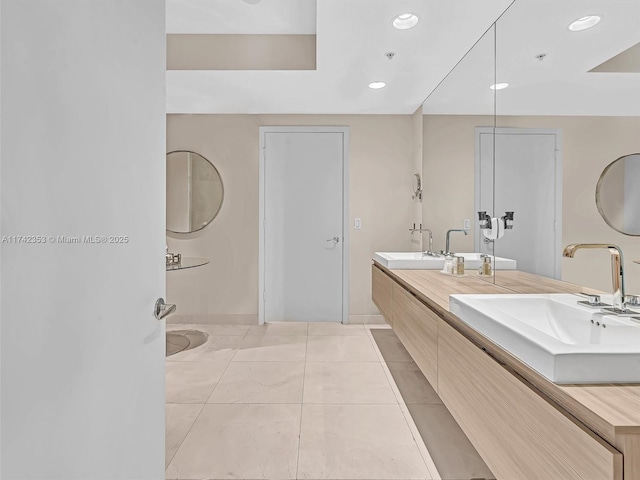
188	262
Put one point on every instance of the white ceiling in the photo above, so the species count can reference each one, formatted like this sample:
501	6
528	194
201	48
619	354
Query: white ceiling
352	38
561	84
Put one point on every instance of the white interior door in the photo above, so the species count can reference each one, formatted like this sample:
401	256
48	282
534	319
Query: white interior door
82	222
303	225
527	181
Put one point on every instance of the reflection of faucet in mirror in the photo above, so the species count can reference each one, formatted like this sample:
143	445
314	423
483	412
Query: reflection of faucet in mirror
447	251
429	252
617	274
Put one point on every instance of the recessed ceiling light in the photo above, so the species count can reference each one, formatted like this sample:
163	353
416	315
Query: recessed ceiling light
252	2
377	85
499	86
405	21
585	22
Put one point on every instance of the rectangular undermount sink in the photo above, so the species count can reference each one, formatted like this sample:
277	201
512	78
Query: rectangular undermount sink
421	261
564	341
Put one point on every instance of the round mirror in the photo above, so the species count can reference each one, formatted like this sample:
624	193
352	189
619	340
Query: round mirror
194	192
618	194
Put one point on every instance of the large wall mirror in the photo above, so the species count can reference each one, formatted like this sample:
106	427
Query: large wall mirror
571	107
194	192
459	123
564	104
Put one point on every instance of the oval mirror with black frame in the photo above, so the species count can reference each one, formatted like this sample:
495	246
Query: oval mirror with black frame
194	192
618	194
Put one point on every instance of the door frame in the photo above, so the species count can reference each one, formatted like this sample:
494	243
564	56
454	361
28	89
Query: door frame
264	130
557	133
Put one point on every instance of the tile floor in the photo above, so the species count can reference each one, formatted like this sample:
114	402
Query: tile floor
304	401
452	452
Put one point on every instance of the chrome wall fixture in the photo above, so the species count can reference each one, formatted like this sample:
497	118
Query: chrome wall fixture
417	187
494	228
420	230
485	220
507	220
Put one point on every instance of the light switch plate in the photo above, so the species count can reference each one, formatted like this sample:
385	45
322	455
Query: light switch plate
467	224
357	224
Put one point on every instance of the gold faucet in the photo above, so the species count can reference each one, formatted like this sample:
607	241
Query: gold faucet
617	272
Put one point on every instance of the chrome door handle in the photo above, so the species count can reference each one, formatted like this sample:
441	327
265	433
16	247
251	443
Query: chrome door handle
334	240
163	309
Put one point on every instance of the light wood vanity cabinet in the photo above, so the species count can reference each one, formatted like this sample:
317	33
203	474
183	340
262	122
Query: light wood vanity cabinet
381	292
517	432
522	431
417	328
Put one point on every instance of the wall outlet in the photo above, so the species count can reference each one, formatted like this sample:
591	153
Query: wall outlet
467	224
357	224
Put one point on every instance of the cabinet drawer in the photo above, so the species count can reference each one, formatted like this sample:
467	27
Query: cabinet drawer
518	433
417	328
381	291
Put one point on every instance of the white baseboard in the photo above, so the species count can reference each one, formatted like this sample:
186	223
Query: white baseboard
230	319
214	319
367	320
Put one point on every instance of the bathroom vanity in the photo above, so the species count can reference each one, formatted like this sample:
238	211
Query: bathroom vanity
522	424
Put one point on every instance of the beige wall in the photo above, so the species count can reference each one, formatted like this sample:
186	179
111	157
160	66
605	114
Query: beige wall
240	52
178	192
449	163
589	145
383	157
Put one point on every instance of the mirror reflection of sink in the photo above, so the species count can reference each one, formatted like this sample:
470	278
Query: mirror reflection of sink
421	261
555	336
